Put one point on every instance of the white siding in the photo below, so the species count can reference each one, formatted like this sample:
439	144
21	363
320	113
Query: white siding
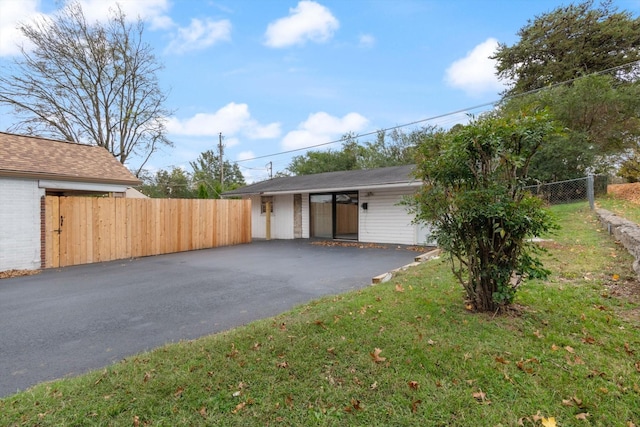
305	216
19	224
385	220
281	219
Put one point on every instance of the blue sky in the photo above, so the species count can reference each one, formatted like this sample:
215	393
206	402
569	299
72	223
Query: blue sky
280	75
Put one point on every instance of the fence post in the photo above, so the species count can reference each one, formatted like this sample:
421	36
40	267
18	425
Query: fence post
590	192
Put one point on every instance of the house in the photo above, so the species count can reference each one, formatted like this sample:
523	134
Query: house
32	168
356	205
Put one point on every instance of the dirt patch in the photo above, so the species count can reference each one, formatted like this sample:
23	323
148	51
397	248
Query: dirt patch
630	192
359	245
17	273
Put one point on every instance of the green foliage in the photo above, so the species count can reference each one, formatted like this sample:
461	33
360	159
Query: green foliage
600	120
389	149
569	42
206	170
630	168
174	184
473	198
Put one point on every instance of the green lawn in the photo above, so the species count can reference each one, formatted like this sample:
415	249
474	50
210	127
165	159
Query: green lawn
405	352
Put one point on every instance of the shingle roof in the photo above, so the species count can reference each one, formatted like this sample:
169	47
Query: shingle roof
332	181
41	158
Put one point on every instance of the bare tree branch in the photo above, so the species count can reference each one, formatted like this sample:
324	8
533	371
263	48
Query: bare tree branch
91	83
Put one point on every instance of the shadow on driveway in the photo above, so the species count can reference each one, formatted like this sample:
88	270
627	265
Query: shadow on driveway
68	321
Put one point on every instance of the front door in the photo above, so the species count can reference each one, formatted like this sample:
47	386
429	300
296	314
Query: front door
334	215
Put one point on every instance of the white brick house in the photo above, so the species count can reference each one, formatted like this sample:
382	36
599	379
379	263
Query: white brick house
32	167
357	205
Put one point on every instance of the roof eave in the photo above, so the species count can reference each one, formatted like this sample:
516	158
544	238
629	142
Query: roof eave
328	189
41	175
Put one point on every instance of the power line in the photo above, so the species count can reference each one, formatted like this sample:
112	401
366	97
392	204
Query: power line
463	110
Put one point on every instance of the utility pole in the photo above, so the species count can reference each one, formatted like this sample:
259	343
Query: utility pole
270	167
220	149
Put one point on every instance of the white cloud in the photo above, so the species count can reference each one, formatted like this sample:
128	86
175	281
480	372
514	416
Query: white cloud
200	35
476	72
245	155
320	128
309	21
15	12
366	40
232	120
152	11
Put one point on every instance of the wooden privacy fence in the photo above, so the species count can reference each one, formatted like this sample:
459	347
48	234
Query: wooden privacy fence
82	230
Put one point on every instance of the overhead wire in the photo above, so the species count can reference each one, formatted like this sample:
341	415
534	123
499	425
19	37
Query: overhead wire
440	116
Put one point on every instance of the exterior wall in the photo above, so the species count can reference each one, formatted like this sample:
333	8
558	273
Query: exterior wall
305	216
281	219
20	224
385	221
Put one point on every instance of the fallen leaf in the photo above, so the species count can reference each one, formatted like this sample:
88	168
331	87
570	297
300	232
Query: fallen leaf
615	277
627	349
239	407
588	340
414	405
479	395
582	416
569	349
282	364
538	334
203	412
554	347
374	385
413	385
376	356
320	323
502	360
399	288
178	392
136	421
549	422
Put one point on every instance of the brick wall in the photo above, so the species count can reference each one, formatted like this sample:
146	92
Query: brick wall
20	224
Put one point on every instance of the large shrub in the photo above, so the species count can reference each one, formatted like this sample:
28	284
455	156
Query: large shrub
474	200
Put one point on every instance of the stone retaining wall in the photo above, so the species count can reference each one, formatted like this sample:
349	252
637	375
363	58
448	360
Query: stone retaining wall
625	231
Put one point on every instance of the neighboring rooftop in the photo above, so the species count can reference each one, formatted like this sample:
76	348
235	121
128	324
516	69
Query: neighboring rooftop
332	181
41	158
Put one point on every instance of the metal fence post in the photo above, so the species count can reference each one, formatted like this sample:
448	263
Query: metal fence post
590	192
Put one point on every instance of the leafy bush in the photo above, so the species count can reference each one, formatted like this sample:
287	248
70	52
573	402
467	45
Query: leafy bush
473	197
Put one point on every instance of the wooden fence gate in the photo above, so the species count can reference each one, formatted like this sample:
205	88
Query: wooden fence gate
82	230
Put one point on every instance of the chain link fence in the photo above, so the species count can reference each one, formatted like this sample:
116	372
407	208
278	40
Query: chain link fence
572	190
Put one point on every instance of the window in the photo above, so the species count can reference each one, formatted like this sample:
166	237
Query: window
263	204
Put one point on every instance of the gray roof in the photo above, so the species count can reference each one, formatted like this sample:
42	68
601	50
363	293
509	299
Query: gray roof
393	176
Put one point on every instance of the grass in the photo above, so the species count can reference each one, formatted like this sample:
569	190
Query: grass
620	207
401	353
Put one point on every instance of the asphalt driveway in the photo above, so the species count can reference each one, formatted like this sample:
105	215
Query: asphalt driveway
68	321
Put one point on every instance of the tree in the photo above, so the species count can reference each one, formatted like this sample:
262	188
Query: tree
570	42
389	149
206	173
600	119
473	197
93	83
174	184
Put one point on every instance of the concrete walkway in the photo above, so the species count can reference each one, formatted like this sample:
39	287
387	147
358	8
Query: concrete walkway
68	321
